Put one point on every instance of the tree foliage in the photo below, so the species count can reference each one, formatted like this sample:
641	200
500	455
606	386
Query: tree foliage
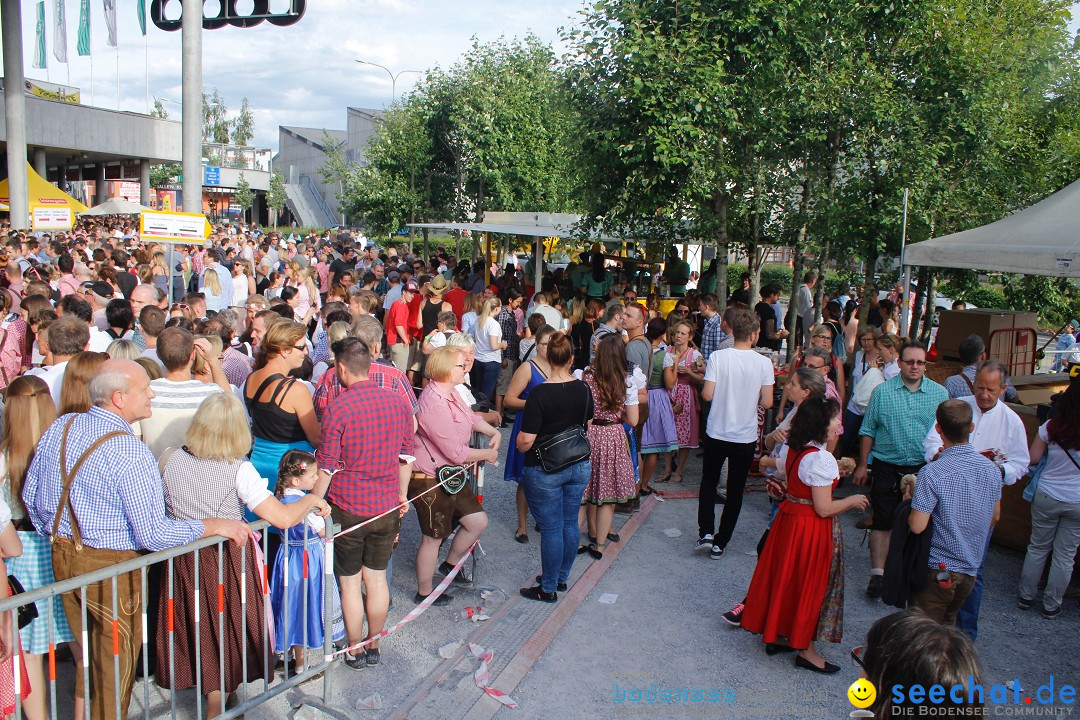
244	196
491	132
243	125
275	198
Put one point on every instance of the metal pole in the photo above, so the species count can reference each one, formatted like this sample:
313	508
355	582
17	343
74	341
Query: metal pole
192	105
15	115
905	311
538	269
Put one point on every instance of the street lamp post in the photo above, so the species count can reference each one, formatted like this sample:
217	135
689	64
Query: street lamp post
393	77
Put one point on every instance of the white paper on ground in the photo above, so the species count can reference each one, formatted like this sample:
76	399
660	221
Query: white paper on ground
448	650
371	702
673	532
609	598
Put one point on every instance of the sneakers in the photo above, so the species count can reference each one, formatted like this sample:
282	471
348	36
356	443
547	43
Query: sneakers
734	615
462	578
873	590
704	543
1024	604
716	552
561	587
1051	614
356	662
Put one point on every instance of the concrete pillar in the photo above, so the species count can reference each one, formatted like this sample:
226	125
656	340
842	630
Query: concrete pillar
144	182
101	193
191	52
40	165
15	113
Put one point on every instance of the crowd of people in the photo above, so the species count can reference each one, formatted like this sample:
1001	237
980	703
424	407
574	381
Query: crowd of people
316	380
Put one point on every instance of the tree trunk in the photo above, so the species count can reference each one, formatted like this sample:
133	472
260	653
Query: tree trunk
754	256
868	290
920	297
412	211
793	299
721	202
931	306
819	287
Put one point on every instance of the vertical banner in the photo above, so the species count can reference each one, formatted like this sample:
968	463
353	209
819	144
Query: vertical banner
40	54
110	21
84	27
60	31
140	8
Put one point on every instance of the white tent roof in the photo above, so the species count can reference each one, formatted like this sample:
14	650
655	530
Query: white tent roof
115	206
1044	239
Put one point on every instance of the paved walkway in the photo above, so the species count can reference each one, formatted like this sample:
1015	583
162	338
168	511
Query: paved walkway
647	614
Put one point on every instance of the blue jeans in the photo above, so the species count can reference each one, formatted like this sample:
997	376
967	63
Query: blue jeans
484	377
554	499
967	618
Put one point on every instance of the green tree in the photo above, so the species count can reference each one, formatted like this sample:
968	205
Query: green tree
243	125
164	174
244	196
215	118
275	199
159	110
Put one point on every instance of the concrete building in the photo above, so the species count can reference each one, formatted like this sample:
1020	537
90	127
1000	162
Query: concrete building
302	153
95	154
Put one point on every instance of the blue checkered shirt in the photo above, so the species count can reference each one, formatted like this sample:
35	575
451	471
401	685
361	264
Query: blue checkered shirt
957	388
321	352
711	336
117	496
958	491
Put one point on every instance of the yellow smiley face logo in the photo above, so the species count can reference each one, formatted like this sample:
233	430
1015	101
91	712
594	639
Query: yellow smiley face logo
862	693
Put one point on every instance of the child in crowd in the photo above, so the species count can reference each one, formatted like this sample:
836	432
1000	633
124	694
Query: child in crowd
297	474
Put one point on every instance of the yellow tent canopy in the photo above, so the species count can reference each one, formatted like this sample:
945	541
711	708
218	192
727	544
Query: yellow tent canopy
43	194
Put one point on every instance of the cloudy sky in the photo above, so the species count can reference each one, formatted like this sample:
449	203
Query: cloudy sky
304	74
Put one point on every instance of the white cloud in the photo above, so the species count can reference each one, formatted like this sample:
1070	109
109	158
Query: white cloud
304	74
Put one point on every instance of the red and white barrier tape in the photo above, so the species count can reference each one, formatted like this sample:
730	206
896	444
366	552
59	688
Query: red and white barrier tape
482	676
396	508
416	611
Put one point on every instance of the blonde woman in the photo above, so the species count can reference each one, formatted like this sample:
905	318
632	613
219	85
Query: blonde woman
243	283
487	334
160	269
210	285
307	290
28	411
216	443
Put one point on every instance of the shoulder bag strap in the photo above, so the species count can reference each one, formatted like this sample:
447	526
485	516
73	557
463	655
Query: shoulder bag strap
970	385
67	476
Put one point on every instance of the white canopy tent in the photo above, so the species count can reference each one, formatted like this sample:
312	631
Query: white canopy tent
1043	239
115	206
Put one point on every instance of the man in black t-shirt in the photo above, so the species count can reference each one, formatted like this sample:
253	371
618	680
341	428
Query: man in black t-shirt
769	336
346	263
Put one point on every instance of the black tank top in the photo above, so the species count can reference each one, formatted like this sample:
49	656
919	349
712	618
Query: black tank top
269	420
429	314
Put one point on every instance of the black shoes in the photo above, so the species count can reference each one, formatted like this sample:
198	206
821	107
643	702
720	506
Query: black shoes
829	668
777	648
443	599
462	578
873	590
561	587
537	593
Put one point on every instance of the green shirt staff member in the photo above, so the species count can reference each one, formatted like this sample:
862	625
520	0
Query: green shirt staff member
900	411
676	272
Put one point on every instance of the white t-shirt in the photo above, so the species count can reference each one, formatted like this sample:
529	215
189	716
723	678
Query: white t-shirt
738	376
437	339
1059	478
482	336
817	469
467	322
251	488
313	521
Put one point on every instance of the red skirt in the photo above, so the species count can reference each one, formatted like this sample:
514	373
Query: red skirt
792	577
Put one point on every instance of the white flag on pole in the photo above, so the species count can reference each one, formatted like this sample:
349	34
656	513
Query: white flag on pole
110	21
60	31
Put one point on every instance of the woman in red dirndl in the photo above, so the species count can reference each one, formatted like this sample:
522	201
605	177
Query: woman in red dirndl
797	593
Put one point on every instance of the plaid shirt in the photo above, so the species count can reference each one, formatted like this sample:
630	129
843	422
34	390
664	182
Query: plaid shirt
508	322
382	373
958	490
117	495
711	336
364	431
898	419
321	351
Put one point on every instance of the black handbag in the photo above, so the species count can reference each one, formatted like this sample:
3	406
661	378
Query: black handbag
560	450
27	613
452	477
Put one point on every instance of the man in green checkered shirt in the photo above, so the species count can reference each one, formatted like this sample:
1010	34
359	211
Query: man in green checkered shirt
901	412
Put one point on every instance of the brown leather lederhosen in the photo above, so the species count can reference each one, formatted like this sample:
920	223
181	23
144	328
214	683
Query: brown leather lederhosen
70	558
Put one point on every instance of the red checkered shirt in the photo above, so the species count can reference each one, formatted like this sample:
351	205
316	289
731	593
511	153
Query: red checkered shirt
363	433
382	373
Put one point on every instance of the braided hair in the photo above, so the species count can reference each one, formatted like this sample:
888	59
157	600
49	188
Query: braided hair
294	464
